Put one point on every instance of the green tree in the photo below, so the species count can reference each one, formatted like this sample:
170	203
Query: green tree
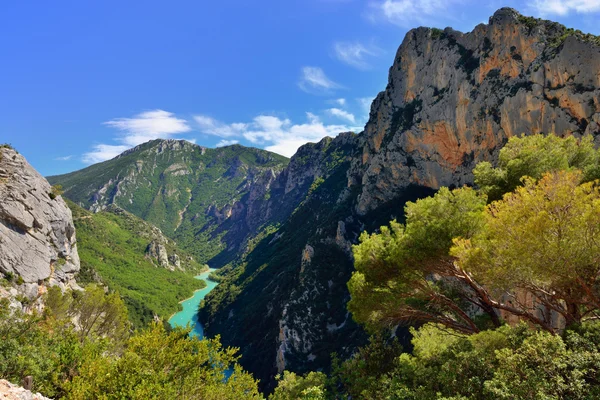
100	314
165	365
294	387
533	156
404	274
516	363
540	243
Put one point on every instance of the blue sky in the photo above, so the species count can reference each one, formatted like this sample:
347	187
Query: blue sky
81	81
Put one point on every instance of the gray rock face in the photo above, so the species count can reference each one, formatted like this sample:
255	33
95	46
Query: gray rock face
157	251
37	236
453	99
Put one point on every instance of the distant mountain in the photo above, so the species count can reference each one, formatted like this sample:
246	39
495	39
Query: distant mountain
180	187
132	257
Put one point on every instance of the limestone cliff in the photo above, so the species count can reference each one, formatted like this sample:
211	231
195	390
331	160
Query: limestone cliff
453	99
37	237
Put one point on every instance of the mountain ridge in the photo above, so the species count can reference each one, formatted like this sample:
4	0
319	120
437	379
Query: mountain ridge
180	187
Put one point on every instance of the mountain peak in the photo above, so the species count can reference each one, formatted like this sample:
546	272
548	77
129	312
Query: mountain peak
504	15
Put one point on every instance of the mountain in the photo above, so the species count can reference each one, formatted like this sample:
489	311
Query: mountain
452	99
181	188
133	257
38	246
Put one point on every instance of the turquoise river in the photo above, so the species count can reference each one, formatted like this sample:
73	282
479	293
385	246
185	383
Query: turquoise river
189	314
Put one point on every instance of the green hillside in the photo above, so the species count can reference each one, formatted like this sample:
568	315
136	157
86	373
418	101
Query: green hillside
112	246
173	185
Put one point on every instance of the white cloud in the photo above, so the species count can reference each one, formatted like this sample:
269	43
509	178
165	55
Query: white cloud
149	125
365	104
410	13
340	101
143	127
224	142
65	158
336	112
103	152
564	7
354	53
280	135
213	127
314	80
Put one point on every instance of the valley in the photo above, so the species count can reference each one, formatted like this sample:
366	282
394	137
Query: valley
448	250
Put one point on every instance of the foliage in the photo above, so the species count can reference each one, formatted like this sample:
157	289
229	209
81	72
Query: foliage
541	240
112	247
46	348
392	282
293	387
73	361
533	156
55	191
532	255
161	365
506	363
360	374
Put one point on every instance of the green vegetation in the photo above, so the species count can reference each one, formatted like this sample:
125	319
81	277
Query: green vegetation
454	254
462	268
533	156
506	363
293	387
56	191
112	245
173	188
99	359
436	33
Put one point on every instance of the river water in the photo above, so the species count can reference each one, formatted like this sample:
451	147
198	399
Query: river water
189	314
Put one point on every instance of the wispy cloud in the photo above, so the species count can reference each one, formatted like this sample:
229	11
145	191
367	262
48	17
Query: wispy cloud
149	125
409	13
64	158
339	113
340	101
354	54
103	152
280	135
365	104
564	7
314	80
213	127
227	143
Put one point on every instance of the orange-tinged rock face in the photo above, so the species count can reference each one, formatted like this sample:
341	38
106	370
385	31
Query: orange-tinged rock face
473	92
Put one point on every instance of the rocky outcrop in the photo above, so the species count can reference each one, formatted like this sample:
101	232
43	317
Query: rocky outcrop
157	251
38	246
453	99
8	391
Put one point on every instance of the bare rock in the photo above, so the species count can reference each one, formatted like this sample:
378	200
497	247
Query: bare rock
37	236
8	391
